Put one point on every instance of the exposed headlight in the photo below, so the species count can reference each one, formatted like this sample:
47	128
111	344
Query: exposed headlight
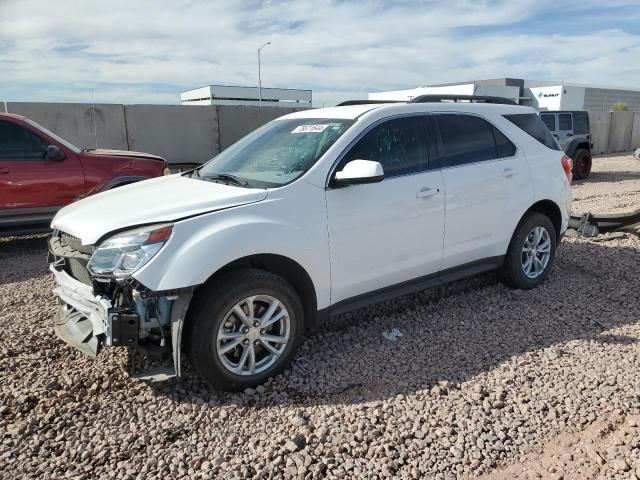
123	254
166	171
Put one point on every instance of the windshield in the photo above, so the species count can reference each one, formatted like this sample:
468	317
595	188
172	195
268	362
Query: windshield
57	138
275	154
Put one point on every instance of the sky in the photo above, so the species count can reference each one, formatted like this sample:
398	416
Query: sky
148	51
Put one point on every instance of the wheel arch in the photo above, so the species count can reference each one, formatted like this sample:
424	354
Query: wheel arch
284	267
577	144
551	210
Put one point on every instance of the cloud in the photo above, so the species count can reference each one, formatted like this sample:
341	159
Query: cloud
148	51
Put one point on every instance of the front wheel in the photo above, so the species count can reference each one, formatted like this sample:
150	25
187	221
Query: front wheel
244	327
531	252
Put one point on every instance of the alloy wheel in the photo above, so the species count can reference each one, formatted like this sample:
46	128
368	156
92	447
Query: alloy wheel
253	335
536	252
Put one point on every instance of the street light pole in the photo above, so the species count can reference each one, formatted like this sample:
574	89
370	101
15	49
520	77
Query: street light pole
259	76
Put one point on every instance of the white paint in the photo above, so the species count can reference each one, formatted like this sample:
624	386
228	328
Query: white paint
360	169
350	240
156	200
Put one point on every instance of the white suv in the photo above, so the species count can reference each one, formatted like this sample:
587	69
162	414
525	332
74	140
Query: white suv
316	213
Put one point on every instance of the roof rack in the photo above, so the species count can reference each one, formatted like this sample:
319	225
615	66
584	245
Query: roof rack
435	99
366	102
461	98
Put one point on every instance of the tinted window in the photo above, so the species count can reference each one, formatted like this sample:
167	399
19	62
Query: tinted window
564	121
464	139
18	143
580	123
397	144
503	145
549	121
531	124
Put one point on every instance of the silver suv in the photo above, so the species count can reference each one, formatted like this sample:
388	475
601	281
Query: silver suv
571	130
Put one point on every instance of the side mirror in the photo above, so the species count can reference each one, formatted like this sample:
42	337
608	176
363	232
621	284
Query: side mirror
54	154
359	171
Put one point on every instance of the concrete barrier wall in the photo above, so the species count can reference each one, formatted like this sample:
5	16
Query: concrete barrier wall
620	131
180	134
635	134
189	133
75	122
236	122
600	123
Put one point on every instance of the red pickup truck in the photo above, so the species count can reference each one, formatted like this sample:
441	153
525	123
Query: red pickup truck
41	172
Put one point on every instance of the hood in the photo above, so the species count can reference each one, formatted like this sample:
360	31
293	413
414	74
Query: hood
122	153
162	199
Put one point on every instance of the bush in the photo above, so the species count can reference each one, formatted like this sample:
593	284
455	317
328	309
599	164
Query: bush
619	107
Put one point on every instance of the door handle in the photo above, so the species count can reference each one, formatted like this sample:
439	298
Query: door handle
569	135
4	170
427	192
509	172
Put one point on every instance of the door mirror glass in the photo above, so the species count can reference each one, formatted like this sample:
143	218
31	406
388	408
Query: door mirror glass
357	172
54	154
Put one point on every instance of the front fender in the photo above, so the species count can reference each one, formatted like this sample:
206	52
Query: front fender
201	246
572	146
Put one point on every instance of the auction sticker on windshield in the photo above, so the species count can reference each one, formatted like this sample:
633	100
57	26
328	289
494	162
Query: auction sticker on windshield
310	128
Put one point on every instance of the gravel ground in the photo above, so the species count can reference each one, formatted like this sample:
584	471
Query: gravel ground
484	382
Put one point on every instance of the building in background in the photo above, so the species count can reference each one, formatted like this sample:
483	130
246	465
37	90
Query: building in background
543	95
235	95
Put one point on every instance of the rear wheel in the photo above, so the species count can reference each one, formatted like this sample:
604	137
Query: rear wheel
581	164
531	252
244	327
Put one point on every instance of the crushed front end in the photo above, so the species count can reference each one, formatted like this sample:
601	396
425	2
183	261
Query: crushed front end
99	310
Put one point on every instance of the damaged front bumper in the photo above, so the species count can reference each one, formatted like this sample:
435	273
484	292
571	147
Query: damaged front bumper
90	322
82	318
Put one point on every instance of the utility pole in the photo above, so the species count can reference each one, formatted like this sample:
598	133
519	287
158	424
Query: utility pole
259	76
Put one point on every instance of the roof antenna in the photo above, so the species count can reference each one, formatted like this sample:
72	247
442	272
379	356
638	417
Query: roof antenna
95	130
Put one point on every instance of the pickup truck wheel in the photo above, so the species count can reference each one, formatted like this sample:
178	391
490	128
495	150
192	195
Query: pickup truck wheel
581	164
244	327
530	253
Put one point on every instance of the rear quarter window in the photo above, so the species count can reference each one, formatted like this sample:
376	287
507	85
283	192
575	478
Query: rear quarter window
531	124
580	123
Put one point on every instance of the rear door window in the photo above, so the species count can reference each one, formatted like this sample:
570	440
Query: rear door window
18	143
533	125
564	121
549	120
467	139
580	123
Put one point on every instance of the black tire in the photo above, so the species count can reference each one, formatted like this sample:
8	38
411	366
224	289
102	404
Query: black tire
581	164
208	310
512	273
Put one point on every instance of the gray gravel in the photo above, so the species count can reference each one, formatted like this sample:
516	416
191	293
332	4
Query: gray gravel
484	381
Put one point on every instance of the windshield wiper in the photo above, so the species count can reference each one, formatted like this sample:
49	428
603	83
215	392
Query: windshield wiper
225	177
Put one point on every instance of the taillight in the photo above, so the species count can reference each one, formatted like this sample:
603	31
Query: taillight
567	166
